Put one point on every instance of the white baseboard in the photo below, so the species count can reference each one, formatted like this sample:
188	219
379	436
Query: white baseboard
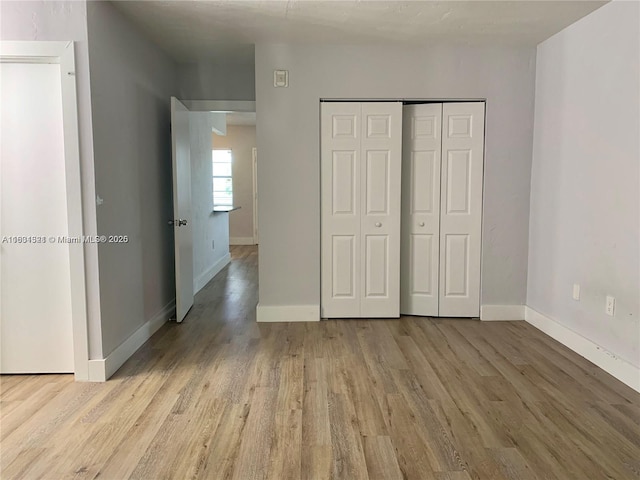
492	313
621	369
206	277
241	241
288	313
100	370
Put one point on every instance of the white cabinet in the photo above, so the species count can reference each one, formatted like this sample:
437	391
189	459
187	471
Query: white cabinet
383	165
443	158
360	227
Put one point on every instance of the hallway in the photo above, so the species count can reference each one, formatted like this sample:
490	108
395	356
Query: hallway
220	396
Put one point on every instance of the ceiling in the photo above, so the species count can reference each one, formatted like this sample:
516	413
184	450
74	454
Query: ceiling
203	30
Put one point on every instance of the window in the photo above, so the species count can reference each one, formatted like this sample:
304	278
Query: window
222	179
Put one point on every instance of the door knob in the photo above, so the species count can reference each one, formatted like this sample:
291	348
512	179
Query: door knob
421	224
378	224
181	222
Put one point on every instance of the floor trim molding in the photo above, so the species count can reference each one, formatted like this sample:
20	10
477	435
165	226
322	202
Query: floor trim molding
241	241
100	370
288	313
621	369
204	278
494	313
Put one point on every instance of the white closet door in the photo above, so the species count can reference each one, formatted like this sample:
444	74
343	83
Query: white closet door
36	333
380	178
340	204
420	209
461	208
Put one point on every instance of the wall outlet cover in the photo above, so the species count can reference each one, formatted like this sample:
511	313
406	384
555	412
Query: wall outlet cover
611	305
281	78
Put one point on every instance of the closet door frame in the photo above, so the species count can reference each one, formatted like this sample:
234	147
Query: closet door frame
463	303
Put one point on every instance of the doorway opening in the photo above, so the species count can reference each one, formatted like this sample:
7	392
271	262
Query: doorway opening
220	190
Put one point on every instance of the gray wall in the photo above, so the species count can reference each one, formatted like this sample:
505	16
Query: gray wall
223	77
210	230
67	21
288	144
131	83
585	179
240	139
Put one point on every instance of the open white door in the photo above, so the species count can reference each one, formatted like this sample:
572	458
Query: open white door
181	162
422	136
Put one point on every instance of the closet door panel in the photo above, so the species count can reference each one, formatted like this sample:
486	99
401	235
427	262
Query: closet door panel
381	147
461	210
421	158
340	209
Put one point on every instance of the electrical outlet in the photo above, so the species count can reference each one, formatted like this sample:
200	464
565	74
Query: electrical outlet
576	291
611	305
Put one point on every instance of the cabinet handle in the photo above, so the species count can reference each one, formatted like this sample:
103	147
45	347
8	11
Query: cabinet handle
421	224
378	224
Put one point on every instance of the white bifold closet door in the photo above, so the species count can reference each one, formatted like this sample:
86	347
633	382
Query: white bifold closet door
360	223
422	141
442	209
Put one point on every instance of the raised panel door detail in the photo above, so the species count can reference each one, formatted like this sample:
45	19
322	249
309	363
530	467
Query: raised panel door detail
421	184
378	126
458	176
456	265
423	181
376	266
344	183
461	212
360	173
343	266
421	247
377	186
460	126
340	208
424	127
344	126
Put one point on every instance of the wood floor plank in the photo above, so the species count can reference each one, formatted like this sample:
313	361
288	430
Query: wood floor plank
252	462
348	455
222	397
411	452
380	456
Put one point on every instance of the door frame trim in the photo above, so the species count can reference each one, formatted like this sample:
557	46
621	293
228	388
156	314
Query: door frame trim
62	53
254	164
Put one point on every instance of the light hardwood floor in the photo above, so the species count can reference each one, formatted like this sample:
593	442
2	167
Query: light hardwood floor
220	396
